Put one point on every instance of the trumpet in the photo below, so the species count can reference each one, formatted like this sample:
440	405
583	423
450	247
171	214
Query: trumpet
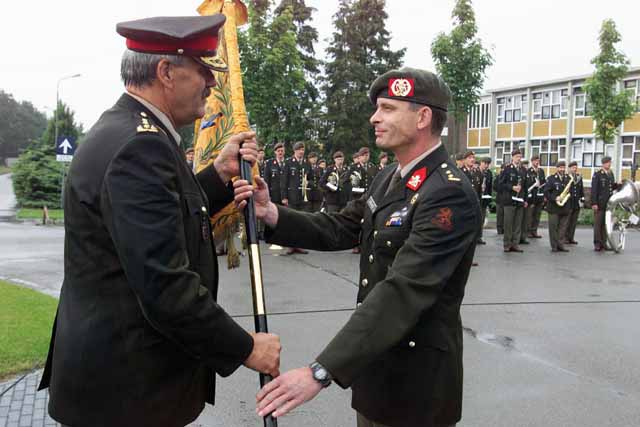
305	184
563	198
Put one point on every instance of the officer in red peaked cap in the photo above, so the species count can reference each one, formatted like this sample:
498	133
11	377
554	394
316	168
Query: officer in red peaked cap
139	337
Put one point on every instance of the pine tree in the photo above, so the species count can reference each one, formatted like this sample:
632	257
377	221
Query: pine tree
359	52
608	107
461	60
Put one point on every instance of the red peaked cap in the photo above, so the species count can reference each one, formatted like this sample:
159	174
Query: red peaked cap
194	36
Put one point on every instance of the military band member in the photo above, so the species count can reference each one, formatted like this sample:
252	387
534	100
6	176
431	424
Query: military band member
511	193
486	188
274	174
383	161
558	213
139	338
575	202
322	164
535	197
314	193
261	161
475	177
295	184
499	205
401	350
189	155
524	170
369	169
334	183
603	183
459	160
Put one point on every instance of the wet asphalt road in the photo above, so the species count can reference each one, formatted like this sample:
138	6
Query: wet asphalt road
551	339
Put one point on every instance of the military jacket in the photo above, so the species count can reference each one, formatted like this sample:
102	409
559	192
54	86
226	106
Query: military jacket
487	187
556	184
536	195
577	192
273	175
602	186
475	178
401	350
138	328
295	172
315	190
261	166
509	178
333	183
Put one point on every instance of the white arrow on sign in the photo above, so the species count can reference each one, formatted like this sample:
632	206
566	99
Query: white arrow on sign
66	146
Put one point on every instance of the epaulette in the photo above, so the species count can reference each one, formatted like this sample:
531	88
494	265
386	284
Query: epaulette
450	176
145	126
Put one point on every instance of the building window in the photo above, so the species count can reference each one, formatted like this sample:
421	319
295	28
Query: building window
589	153
504	149
479	116
550	104
512	108
630	151
633	87
549	150
581	104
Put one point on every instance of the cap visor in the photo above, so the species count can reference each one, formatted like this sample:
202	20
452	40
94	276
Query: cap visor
214	63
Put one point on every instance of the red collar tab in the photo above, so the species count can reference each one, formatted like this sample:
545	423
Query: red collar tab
417	179
401	87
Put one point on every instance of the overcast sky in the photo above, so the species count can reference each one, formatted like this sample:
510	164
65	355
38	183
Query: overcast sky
531	40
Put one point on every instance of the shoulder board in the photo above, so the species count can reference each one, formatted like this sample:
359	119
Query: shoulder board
144	125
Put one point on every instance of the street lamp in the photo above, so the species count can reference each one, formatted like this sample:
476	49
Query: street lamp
55	109
55	124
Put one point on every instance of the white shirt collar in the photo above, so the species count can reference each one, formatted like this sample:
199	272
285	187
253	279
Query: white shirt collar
160	115
405	170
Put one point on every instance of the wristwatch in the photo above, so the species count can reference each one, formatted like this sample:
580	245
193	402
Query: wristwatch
320	374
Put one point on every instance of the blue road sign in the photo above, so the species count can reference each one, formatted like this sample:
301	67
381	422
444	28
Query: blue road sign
65	147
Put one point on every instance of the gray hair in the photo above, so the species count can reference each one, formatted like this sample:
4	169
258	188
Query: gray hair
139	69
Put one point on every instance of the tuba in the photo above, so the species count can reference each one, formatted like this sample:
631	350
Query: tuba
623	209
564	197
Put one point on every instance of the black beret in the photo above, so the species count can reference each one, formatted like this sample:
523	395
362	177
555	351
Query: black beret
459	156
322	161
338	154
189	150
363	151
516	152
194	36
606	159
298	145
535	158
312	154
561	163
412	85
278	145
573	163
383	155
486	160
469	154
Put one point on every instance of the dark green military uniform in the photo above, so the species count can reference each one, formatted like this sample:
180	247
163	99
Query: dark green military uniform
577	198
499	205
475	177
487	192
273	176
513	204
535	199
603	183
525	183
558	215
292	182
315	193
401	351
333	182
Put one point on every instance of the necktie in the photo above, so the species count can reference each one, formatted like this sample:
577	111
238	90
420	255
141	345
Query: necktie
394	180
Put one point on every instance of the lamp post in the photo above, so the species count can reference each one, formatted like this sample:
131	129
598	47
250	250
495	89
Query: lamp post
55	125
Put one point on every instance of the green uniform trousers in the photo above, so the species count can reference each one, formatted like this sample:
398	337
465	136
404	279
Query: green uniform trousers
557	230
599	228
534	211
573	222
512	225
500	218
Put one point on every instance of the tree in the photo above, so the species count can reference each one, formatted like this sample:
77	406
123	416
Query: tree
609	108
461	61
276	90
20	124
358	53
37	176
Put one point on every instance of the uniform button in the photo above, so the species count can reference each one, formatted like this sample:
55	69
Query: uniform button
362	221
204	209
375	233
370	259
388	244
358	304
412	344
365	282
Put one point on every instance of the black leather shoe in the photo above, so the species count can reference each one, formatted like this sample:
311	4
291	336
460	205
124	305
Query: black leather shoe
563	250
516	249
572	242
524	242
481	242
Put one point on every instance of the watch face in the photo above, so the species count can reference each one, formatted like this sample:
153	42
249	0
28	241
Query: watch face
321	374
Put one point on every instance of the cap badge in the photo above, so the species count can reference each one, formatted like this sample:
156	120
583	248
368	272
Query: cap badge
401	87
417	179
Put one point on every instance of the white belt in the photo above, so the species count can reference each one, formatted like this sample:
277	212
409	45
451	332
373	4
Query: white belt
517	199
486	196
358	190
331	187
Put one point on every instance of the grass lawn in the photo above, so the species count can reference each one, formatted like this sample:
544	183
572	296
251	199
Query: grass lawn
55	214
26	317
4	169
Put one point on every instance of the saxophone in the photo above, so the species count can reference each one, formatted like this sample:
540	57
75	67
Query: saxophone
563	198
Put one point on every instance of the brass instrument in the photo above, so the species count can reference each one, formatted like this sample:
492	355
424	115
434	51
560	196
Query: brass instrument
563	198
623	212
333	181
355	182
305	184
533	186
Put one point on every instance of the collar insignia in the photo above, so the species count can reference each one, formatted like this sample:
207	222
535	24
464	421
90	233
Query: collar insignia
417	179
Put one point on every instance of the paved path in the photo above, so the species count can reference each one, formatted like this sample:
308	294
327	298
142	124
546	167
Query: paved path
550	339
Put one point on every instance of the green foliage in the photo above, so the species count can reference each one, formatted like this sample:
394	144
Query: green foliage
608	107
26	319
20	124
37	176
358	53
186	134
462	61
278	97
25	213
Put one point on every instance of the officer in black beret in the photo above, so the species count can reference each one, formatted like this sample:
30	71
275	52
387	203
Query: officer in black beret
274	173
511	195
417	225
575	202
557	192
603	184
139	337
